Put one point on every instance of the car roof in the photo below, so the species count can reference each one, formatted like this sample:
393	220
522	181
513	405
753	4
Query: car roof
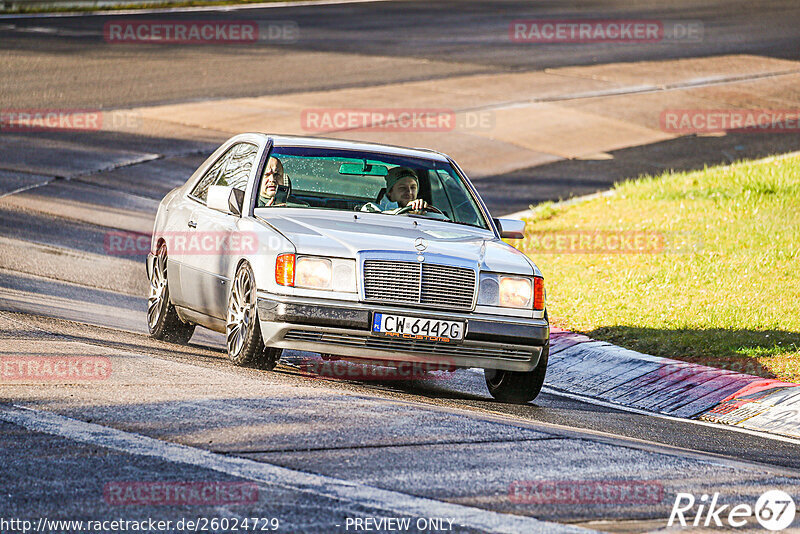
326	142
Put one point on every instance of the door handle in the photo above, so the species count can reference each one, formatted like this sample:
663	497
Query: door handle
192	224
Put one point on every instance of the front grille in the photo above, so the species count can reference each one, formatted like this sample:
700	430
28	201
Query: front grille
437	286
367	341
392	281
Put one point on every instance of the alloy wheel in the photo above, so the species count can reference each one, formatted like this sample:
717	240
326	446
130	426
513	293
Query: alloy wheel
241	311
158	288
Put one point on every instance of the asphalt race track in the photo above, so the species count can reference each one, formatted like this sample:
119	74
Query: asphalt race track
327	455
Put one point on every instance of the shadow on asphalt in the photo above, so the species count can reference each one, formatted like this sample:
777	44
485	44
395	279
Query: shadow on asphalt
439	389
517	190
111	139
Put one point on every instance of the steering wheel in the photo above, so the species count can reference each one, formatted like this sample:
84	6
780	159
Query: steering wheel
433	209
370	207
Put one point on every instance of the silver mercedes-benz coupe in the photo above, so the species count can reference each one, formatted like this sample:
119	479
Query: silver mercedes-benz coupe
309	244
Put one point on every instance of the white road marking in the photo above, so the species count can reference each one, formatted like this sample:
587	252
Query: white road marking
26	188
623	408
237	7
328	487
540	426
605	404
63	32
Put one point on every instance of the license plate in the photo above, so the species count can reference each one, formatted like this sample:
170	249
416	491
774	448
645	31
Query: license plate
404	327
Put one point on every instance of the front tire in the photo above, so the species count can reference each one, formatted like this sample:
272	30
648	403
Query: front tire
516	386
243	331
162	319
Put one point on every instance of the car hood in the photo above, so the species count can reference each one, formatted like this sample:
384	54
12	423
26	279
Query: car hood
349	235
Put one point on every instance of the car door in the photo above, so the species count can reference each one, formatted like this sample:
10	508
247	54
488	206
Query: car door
205	272
178	228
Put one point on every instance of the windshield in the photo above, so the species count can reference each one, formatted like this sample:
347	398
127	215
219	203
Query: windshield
316	178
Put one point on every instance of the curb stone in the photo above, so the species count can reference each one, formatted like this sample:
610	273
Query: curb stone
581	365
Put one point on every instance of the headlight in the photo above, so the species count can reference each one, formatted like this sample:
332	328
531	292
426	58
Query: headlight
489	291
505	291
315	272
344	275
515	292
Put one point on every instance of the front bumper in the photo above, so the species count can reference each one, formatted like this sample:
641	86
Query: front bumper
343	329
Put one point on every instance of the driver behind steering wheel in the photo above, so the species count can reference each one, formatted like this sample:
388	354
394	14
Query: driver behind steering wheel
402	187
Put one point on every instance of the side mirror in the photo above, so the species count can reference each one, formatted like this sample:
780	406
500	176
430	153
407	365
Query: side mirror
510	228
225	199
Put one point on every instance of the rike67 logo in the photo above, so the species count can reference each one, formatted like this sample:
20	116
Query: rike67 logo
774	510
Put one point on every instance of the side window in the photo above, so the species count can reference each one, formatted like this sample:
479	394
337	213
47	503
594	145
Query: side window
439	197
238	167
464	207
200	190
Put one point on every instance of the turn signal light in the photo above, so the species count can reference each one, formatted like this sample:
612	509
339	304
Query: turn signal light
284	270
538	293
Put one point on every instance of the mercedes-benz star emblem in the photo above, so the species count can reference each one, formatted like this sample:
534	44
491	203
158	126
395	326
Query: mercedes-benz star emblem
420	244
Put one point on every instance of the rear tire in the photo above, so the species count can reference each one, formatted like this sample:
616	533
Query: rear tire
516	386
243	331
162	319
